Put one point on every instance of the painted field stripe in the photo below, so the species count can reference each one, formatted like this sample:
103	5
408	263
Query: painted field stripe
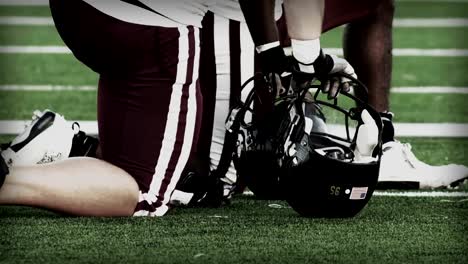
398	90
397	22
428	194
421	194
450	130
408	52
337	51
24	2
26	21
431	52
414	52
420	90
431	90
35	49
430	22
46	2
45	88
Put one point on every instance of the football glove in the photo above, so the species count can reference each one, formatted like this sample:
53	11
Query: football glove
324	66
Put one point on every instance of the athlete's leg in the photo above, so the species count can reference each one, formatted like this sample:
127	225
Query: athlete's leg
82	186
79	186
228	61
147	118
367	45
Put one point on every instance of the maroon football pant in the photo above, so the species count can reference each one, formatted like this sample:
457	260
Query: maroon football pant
149	101
337	13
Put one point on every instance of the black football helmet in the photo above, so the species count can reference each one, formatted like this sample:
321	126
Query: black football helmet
330	169
307	150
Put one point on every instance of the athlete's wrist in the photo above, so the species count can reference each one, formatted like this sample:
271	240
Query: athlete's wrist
273	60
306	52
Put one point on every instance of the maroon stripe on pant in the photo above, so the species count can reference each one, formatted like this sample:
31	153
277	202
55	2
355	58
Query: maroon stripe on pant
235	61
200	159
182	121
138	67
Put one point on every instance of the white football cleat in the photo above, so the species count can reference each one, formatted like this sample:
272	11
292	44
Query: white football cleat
46	139
400	169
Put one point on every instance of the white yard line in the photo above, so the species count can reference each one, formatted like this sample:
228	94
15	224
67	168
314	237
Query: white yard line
397	22
434	194
35	49
404	90
24	2
337	51
26	21
421	194
450	130
45	88
414	52
46	2
430	22
431	90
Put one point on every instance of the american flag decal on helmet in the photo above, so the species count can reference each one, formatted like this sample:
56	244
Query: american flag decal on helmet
358	193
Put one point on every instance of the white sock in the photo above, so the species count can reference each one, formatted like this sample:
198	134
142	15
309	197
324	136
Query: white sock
306	52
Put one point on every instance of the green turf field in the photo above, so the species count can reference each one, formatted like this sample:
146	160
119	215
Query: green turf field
403	37
389	230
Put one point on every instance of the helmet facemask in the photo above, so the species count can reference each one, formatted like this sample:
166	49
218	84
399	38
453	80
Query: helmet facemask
331	166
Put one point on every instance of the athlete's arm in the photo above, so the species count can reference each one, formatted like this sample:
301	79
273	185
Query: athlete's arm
305	18
260	18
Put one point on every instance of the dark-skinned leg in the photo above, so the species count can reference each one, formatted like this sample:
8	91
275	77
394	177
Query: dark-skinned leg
367	44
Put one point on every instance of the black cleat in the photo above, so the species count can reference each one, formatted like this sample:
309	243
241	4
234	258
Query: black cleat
84	145
3	171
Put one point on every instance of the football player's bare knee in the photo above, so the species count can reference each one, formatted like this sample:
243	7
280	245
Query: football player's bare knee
109	181
123	182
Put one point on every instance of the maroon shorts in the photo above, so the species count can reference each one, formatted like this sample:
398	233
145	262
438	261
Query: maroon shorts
149	100
340	12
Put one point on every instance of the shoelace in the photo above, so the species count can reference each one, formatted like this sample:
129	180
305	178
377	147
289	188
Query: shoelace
409	156
36	115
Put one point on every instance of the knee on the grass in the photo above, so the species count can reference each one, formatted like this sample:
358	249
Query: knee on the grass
120	185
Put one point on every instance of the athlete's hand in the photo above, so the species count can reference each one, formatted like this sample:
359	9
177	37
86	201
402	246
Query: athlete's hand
322	69
276	67
334	85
